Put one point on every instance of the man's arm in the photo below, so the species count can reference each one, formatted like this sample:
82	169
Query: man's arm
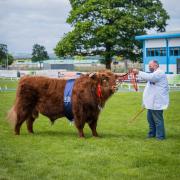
152	77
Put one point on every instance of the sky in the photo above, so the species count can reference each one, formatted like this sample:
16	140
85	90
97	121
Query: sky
26	22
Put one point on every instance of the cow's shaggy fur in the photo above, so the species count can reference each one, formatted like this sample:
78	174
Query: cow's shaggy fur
45	95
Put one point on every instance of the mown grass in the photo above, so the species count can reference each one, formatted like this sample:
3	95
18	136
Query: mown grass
122	151
4	83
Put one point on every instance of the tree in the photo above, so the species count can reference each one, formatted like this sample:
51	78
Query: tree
39	53
9	58
109	27
3	51
5	56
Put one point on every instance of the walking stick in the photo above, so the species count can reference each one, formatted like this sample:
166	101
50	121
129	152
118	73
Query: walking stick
136	115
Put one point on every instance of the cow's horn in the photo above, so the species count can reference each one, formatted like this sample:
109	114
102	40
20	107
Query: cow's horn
92	74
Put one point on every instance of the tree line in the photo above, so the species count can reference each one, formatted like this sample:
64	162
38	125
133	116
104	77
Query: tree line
39	53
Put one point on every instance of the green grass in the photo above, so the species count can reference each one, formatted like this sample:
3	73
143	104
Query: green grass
8	83
122	152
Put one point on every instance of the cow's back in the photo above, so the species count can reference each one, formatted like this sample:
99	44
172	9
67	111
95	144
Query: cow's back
45	94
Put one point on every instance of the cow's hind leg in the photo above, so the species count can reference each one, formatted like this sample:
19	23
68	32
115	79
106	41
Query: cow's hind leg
18	124
25	103
22	115
30	120
93	125
29	123
17	127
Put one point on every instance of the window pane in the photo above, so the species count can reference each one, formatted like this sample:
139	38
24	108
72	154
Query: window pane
164	51
148	52
171	52
152	52
156	52
175	51
161	52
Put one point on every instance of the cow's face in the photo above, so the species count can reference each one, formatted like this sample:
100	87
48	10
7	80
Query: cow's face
105	78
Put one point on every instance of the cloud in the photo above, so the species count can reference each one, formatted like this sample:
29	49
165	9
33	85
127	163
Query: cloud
173	9
25	22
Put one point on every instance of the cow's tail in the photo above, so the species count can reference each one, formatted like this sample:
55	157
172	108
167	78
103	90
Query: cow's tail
12	116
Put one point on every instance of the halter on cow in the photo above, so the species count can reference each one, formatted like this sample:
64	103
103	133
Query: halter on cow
130	75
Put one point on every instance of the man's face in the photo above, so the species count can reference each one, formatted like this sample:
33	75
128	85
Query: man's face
152	66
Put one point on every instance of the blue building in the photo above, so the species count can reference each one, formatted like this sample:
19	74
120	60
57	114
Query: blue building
163	47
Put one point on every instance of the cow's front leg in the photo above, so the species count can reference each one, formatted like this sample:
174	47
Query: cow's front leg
93	125
80	127
81	133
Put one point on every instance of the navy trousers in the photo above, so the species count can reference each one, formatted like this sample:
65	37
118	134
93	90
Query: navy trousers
156	124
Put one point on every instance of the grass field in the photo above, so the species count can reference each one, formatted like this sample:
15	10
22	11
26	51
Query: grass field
8	83
122	151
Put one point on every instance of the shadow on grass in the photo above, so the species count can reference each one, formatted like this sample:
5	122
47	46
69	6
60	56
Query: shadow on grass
173	136
55	133
102	135
71	134
122	136
89	135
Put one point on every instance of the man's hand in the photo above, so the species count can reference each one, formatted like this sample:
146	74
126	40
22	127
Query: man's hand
135	71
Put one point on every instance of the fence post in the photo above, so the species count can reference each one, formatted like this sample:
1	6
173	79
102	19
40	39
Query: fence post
129	87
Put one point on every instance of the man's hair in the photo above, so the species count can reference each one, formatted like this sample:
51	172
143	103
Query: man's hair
156	62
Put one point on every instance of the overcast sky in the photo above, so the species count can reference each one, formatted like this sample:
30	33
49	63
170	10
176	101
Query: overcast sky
26	22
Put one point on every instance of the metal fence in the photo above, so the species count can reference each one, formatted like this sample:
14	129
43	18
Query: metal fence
12	75
124	87
128	87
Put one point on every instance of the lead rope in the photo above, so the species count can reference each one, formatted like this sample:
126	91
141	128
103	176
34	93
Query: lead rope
136	115
133	81
130	76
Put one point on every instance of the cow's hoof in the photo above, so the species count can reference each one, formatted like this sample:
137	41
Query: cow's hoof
82	137
97	136
31	132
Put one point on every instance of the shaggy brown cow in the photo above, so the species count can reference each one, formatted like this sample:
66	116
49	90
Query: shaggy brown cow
44	95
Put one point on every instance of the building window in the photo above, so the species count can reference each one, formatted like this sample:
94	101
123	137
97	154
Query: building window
148	52
175	51
156	52
162	51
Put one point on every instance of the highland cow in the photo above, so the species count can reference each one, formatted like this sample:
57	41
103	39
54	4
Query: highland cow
45	95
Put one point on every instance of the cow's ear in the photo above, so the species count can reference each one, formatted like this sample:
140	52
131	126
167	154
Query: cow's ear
93	75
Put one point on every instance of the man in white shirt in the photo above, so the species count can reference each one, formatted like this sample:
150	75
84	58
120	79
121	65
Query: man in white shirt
155	98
